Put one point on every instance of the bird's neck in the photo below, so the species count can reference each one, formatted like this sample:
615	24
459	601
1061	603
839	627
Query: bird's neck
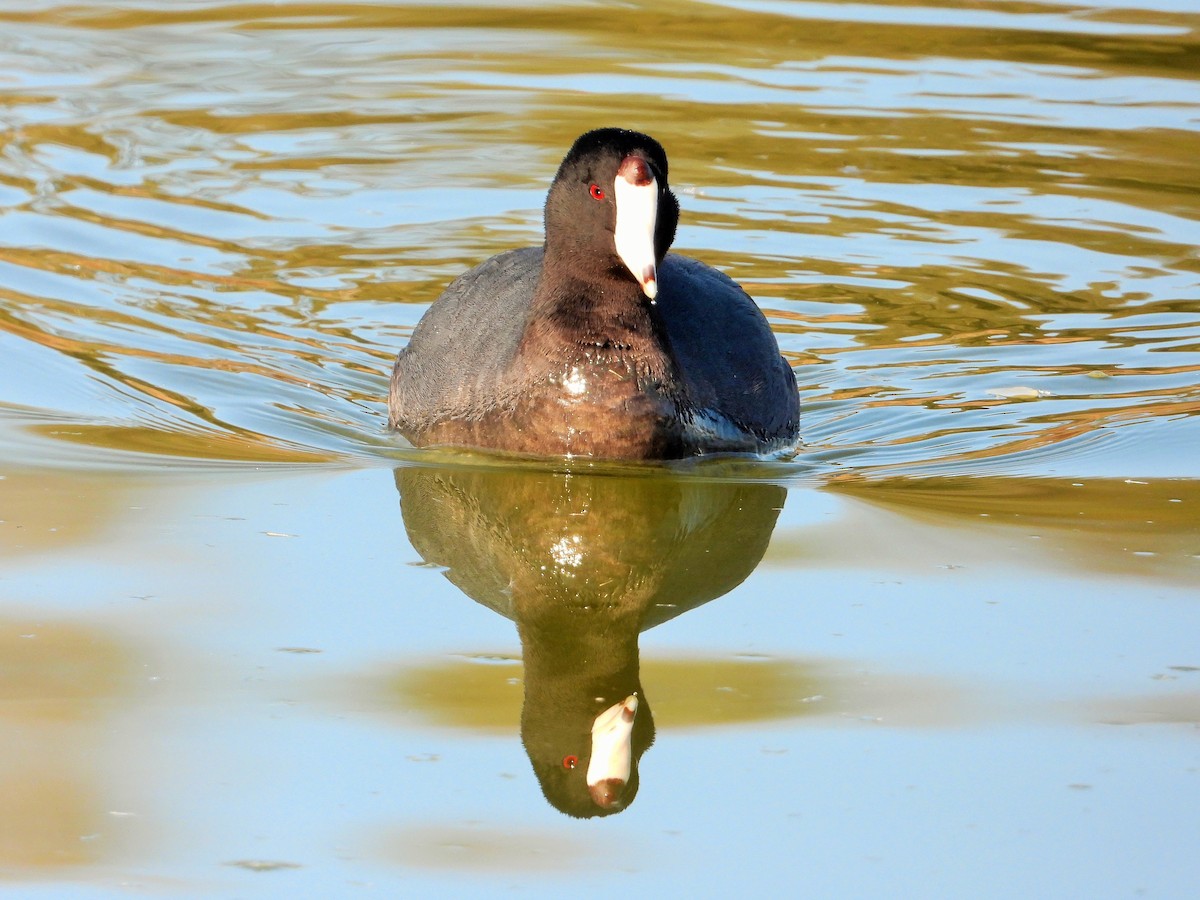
606	308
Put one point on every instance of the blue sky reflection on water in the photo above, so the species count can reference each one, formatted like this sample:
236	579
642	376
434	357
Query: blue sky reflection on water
987	715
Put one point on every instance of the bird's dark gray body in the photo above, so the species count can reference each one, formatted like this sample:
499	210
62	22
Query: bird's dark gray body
698	371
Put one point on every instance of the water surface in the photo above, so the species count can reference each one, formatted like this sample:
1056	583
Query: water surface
253	646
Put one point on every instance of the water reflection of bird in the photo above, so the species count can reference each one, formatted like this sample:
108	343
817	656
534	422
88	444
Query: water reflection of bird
598	343
583	563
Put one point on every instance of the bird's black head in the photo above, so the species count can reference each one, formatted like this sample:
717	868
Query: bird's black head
610	212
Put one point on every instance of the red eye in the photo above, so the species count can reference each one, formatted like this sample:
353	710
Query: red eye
570	762
597	192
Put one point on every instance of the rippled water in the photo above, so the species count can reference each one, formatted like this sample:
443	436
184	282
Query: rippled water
955	647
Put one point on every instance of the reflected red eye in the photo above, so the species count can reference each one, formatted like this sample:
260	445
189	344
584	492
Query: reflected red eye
570	762
596	192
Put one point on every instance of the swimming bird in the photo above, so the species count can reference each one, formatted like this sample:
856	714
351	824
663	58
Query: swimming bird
599	343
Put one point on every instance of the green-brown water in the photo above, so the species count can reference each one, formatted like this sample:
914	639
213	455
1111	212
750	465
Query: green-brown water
251	646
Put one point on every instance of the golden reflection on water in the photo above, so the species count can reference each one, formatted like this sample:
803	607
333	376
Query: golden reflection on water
1116	526
483	693
44	511
58	685
213	446
902	194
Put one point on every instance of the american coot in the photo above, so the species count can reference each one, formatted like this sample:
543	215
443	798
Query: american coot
598	343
